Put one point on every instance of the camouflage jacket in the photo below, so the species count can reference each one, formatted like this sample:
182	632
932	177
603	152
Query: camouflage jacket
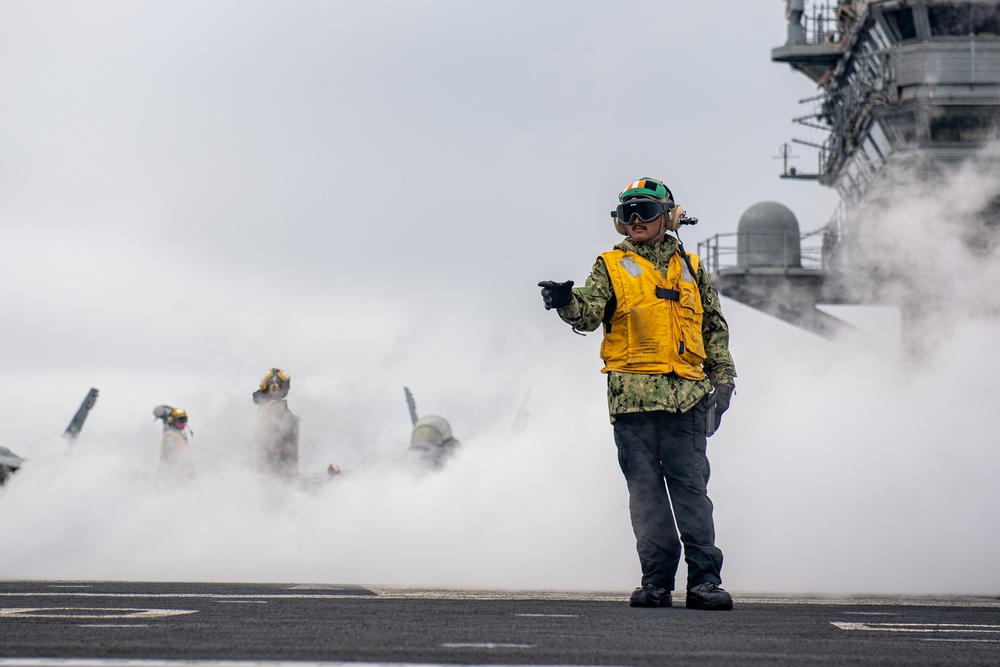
632	392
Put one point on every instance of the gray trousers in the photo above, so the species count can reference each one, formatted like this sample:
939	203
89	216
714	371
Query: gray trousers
662	455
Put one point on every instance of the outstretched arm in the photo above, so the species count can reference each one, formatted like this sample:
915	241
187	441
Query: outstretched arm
586	306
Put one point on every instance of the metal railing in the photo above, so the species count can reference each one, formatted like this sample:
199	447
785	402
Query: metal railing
819	20
739	250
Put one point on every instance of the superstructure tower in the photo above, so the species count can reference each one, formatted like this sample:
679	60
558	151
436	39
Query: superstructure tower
908	93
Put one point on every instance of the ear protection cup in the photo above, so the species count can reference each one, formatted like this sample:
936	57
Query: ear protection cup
674	221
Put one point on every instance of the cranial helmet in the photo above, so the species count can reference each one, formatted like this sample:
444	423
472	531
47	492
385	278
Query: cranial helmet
175	417
274	385
648	188
276	378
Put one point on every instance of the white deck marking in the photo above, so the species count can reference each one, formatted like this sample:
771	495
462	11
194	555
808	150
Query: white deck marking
53	612
919	627
205	596
112	625
316	593
489	645
402	593
550	615
242	601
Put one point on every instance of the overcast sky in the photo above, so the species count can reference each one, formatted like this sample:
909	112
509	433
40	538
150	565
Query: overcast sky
210	188
366	194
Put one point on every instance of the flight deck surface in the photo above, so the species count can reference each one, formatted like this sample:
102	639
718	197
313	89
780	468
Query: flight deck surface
155	624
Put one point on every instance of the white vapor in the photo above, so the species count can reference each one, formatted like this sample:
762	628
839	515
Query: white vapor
836	470
365	195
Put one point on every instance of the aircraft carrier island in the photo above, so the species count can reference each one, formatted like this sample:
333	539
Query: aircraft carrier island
908	99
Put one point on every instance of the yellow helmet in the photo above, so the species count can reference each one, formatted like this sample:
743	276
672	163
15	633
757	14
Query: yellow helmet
274	386
275	375
170	415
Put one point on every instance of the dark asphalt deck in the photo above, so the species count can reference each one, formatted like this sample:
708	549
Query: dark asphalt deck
85	624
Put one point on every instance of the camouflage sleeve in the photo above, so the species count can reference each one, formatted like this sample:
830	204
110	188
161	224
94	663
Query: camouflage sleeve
718	365
586	310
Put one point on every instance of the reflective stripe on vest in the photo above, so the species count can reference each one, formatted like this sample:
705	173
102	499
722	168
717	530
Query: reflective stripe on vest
656	328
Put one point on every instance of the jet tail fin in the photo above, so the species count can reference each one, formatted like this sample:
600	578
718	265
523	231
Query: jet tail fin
411	404
73	430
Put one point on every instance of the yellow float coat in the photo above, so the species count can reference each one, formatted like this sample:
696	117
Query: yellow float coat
656	328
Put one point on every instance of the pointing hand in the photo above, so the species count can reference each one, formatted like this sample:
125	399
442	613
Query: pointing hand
556	295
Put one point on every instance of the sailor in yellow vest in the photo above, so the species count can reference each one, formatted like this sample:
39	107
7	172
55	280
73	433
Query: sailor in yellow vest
670	378
176	463
277	433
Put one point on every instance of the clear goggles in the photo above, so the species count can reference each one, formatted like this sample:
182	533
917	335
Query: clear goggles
646	210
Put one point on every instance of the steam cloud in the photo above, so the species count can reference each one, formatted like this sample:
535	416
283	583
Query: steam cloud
840	468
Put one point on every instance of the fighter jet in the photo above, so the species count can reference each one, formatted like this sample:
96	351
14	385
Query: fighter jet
11	462
431	440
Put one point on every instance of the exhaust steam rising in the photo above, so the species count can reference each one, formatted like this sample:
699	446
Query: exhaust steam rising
840	468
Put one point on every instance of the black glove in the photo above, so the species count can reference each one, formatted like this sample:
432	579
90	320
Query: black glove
556	295
718	402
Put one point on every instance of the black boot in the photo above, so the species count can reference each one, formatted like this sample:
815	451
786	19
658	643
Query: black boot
649	595
709	596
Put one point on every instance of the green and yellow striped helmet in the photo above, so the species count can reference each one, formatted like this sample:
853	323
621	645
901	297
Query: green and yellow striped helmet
646	187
